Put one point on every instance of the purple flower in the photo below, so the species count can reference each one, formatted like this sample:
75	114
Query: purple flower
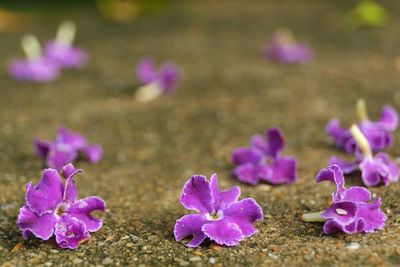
157	82
66	148
283	48
62	52
375	170
220	216
378	133
352	210
36	67
262	161
54	208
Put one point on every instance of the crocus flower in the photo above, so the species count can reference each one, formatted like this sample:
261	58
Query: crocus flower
284	48
220	216
375	170
66	148
263	160
62	52
36	67
378	133
352	210
156	82
53	207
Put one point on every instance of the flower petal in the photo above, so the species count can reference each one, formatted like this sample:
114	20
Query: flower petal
169	77
146	71
341	136
244	213
377	137
73	139
248	173
82	210
71	190
334	174
222	198
42	147
196	195
70	170
94	153
389	119
259	142
46	195
357	194
331	227
346	166
342	212
60	155
70	232
276	142
284	170
243	155
373	218
190	224
223	232
374	172
40	226
394	171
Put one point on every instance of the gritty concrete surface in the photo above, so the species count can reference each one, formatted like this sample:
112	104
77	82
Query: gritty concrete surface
228	94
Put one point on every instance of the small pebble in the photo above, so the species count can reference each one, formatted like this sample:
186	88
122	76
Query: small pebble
48	263
134	238
195	258
353	246
77	261
212	260
183	263
129	245
106	261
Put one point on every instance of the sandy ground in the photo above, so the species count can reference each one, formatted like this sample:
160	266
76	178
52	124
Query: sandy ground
228	94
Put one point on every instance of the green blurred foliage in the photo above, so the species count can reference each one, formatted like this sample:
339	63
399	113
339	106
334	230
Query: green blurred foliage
366	13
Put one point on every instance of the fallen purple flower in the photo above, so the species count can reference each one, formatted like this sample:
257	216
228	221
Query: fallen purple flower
62	52
54	208
375	170
378	133
220	216
352	210
66	148
283	48
262	161
36	67
156	82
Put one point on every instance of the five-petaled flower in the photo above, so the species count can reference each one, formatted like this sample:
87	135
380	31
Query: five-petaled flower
66	148
35	67
54	208
61	50
375	170
352	210
262	161
221	217
378	133
156	82
283	48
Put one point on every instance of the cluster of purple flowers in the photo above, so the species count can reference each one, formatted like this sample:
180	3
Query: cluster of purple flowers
58	54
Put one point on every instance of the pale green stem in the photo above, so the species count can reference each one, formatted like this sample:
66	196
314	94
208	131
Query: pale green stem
148	92
361	108
66	33
361	140
31	47
313	217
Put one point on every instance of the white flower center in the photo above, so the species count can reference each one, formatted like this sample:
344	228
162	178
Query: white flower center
341	212
215	216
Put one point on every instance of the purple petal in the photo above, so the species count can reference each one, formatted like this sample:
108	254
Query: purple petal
146	71
222	198
169	77
65	56
37	70
357	194
70	232
276	142
334	174
42	147
374	172
284	170
73	139
70	170
40	226
223	232
331	227
342	212
196	195
59	155
346	166
82	210
94	153
71	190
341	136
190	225
373	218
391	165
244	155
377	137
389	119
250	173
46	195
244	213
259	142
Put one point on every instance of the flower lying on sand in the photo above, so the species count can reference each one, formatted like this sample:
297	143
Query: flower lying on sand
54	208
62	52
35	67
352	210
284	48
156	82
375	170
221	217
66	148
262	161
378	133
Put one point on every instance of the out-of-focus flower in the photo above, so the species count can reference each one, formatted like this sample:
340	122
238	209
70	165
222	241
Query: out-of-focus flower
62	52
35	67
366	13
284	48
157	82
66	148
220	216
352	210
54	208
378	133
263	160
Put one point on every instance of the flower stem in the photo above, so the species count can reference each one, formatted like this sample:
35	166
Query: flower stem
31	46
361	140
66	32
148	92
361	109
313	217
